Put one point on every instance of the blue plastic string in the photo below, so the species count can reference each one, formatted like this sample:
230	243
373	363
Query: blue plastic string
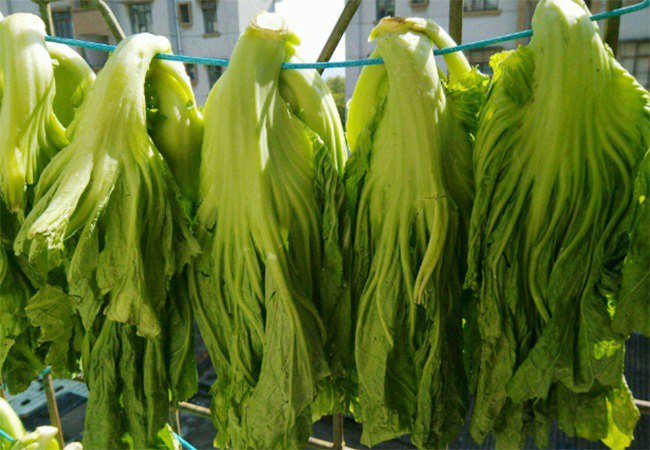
6	435
352	62
183	442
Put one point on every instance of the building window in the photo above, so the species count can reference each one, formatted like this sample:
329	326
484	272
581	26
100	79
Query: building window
185	14
62	23
635	57
140	15
419	2
480	5
481	58
214	72
209	8
385	8
192	73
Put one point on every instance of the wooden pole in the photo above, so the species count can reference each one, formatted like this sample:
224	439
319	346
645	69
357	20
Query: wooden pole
197	410
52	407
111	20
339	437
175	420
643	405
613	25
46	14
456	20
337	32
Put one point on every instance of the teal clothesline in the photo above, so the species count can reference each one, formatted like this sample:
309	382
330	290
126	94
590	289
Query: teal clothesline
8	437
349	63
183	442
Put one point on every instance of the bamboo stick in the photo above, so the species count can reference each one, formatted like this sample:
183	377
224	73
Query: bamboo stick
456	20
339	29
197	410
643	405
109	17
52	407
45	11
339	437
613	26
175	420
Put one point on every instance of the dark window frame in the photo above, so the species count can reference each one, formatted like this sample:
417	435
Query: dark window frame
384	8
210	11
62	20
214	73
480	5
138	11
181	19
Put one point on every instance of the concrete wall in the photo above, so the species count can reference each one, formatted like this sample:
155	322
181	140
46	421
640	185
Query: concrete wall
13	6
194	41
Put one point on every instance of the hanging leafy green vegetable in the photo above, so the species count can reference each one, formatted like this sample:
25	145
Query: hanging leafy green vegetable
1	73
271	205
108	209
30	133
175	123
560	140
633	302
111	186
409	182
73	78
311	101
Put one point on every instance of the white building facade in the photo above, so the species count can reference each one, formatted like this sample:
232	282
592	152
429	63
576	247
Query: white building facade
207	28
484	19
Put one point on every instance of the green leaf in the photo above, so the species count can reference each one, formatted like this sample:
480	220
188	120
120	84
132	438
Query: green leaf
105	420
554	160
30	133
633	300
271	268
54	313
409	187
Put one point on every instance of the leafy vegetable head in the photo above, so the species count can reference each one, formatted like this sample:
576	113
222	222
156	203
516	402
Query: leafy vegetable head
406	135
560	140
175	123
73	78
30	133
271	158
111	193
